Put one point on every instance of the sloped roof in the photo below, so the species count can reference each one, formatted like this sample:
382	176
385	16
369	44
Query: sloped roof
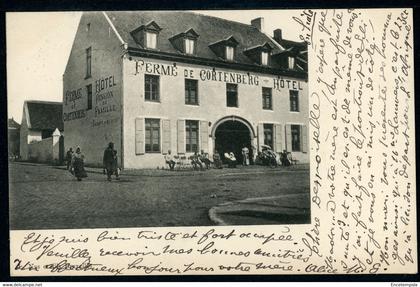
287	44
45	115
211	30
12	124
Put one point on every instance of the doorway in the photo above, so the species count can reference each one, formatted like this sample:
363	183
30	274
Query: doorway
61	150
232	136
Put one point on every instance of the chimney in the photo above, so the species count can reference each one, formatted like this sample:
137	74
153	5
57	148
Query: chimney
277	35
258	23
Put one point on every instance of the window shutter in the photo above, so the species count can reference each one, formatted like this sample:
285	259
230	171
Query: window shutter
139	126
204	133
289	138
278	146
304	129
181	136
166	136
260	136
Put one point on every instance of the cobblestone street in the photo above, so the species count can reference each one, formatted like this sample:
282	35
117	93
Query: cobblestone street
47	197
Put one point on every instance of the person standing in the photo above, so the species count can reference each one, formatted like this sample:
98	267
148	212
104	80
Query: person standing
110	161
245	156
69	156
78	164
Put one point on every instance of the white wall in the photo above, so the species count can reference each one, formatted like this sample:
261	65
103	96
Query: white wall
212	98
93	129
41	151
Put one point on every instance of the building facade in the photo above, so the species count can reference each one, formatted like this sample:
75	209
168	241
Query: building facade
157	81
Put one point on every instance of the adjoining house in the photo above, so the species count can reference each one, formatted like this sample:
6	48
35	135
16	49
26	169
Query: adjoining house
41	131
13	138
154	81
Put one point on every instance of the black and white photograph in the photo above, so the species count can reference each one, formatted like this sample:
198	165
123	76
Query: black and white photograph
211	142
157	119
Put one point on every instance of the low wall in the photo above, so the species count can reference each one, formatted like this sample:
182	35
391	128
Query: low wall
42	151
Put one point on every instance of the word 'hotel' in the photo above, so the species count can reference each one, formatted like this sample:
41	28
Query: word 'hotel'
157	81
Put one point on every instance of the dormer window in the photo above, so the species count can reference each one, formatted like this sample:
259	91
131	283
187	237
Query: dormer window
229	53
225	49
264	58
147	35
260	54
151	40
291	62
189	46
185	42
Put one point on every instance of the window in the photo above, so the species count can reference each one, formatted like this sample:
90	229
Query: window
267	99
191	92
232	95
264	58
291	62
189	46
295	138
268	135
151	40
151	88
88	27
89	62
294	101
152	135
229	53
191	136
89	96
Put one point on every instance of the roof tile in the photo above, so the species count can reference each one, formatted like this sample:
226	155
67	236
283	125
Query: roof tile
211	30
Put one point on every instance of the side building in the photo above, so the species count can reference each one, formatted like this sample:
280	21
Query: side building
13	138
41	131
157	81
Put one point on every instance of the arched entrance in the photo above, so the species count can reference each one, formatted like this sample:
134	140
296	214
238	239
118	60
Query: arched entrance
231	134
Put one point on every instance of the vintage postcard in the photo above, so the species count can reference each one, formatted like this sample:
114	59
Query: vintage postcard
211	142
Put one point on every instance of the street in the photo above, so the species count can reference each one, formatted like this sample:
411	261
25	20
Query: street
49	197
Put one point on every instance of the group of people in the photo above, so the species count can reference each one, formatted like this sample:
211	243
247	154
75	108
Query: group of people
199	161
76	166
75	163
270	158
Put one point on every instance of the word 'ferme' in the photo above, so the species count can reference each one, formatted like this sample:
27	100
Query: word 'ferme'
72	96
157	69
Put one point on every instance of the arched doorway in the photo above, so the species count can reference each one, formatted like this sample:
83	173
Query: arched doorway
231	136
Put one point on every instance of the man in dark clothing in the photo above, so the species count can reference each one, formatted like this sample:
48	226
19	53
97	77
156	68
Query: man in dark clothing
69	156
111	161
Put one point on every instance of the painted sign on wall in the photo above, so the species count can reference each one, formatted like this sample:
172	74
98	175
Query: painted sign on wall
72	96
212	74
104	98
74	115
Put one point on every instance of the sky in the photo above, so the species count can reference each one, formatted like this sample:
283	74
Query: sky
39	43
